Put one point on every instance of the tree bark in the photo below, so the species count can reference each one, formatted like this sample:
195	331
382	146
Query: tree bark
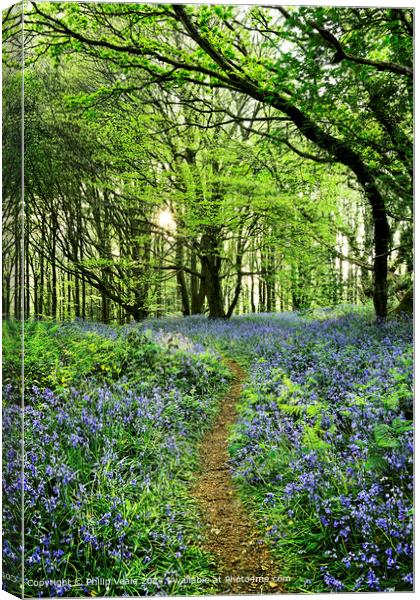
54	227
180	278
211	265
197	289
238	286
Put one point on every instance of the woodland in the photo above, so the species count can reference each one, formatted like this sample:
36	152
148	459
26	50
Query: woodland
207	159
208	277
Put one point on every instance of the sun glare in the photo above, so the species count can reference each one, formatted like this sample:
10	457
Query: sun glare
166	220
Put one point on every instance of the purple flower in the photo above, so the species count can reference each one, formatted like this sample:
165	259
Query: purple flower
333	583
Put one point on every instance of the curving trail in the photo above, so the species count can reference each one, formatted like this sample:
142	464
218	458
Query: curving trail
231	536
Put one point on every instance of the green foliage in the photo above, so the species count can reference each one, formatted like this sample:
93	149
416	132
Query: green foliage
321	463
57	357
113	418
135	137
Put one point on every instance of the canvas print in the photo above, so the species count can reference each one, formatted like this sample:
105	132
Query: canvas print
207	299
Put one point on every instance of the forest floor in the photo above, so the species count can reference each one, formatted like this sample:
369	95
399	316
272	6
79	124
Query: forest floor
243	558
183	474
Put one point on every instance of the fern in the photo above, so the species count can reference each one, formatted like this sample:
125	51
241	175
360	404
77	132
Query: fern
312	440
292	410
385	436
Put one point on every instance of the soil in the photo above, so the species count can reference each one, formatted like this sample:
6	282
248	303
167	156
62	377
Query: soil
243	559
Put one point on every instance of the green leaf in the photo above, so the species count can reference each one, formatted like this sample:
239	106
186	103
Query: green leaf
384	437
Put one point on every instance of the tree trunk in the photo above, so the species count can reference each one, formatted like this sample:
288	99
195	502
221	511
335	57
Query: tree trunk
140	255
252	291
382	237
40	309
406	304
213	291
105	307
6	297
211	265
180	278
53	312
83	298
197	289
76	293
69	296
238	287
269	269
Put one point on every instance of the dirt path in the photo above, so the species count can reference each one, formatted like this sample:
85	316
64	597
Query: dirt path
231	536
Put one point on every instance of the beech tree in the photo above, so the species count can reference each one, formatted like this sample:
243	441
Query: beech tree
278	141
